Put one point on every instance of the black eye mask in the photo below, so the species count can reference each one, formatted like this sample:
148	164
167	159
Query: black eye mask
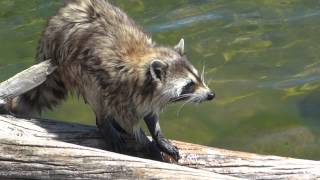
189	88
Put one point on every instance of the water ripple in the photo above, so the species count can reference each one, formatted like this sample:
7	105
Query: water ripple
289	83
230	16
184	22
304	16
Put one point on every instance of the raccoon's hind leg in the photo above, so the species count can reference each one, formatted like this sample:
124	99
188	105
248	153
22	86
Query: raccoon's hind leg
111	133
113	136
45	96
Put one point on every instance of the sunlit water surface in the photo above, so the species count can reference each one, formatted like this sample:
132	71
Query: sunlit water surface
261	58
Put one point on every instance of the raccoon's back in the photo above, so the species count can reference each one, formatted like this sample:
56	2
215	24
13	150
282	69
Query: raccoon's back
83	26
67	40
84	37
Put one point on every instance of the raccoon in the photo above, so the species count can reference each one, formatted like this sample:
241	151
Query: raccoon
105	57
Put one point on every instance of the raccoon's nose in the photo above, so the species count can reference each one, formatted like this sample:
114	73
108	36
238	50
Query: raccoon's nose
210	96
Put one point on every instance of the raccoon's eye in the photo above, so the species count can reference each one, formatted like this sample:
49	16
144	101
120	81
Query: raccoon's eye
188	88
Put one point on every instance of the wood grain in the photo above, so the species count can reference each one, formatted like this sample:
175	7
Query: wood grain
25	80
36	149
63	146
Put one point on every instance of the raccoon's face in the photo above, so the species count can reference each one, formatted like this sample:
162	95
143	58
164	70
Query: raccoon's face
179	80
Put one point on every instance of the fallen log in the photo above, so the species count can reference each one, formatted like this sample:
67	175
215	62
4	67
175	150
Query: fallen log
45	149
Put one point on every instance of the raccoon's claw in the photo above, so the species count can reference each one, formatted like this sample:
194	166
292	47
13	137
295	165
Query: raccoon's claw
166	146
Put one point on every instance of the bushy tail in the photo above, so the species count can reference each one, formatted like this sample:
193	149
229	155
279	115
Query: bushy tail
46	96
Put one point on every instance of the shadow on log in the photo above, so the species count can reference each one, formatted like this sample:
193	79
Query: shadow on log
40	149
46	149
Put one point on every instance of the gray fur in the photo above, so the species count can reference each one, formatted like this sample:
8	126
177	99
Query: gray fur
106	58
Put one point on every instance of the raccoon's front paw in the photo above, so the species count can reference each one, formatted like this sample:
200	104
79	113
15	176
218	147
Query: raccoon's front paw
166	146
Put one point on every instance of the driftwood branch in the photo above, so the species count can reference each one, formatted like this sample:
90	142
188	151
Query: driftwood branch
25	80
43	149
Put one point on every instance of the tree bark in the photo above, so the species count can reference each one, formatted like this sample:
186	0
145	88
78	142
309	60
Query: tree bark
25	80
42	148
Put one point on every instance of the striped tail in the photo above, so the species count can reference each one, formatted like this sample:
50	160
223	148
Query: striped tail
46	96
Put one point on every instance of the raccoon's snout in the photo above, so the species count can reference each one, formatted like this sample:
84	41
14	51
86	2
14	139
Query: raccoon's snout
210	95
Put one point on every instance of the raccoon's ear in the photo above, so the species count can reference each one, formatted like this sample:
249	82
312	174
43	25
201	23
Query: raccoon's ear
180	47
158	70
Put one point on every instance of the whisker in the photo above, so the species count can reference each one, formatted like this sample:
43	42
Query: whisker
188	101
203	73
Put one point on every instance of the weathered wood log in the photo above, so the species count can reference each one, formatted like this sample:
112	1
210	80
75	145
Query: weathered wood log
25	80
63	150
2	102
45	149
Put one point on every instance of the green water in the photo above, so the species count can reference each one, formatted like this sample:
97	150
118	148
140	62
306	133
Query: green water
262	58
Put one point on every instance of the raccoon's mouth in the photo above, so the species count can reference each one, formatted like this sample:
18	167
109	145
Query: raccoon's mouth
179	98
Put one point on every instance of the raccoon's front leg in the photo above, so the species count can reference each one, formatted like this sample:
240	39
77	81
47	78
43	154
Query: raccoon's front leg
112	134
164	144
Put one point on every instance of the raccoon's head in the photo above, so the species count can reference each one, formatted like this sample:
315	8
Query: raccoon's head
177	79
